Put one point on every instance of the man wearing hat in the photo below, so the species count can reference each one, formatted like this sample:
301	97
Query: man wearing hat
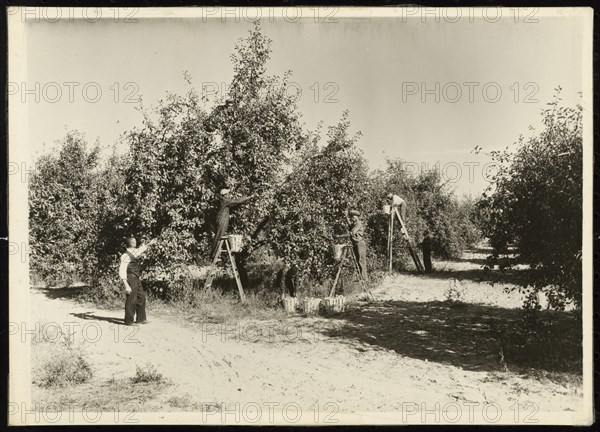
399	203
225	203
357	235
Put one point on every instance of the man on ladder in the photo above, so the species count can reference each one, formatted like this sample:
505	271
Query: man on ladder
398	208
222	239
356	233
398	203
225	203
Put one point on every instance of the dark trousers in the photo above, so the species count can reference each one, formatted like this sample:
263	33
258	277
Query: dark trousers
221	231
135	303
289	279
360	252
402	211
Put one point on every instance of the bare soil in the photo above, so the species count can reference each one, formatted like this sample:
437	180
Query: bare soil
411	345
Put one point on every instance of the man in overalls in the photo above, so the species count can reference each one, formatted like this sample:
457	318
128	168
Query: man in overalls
129	272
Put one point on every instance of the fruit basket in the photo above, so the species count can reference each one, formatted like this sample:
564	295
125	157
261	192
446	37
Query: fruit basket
334	304
290	304
310	305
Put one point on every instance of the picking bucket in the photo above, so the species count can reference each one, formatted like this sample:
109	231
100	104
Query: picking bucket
337	251
387	209
235	242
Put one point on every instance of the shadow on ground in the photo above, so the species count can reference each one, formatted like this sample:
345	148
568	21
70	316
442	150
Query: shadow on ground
513	277
64	292
465	335
92	316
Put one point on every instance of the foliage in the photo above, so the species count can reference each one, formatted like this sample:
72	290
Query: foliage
62	211
309	210
535	203
167	183
180	162
183	153
432	211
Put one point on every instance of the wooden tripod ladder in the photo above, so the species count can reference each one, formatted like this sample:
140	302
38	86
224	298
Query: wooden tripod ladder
213	267
362	282
411	246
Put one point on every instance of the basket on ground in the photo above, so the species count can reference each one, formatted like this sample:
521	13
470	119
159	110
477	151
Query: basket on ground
235	242
310	305
290	304
334	304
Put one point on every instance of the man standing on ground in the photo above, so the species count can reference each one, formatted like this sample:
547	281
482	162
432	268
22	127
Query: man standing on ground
396	202
225	203
129	272
426	248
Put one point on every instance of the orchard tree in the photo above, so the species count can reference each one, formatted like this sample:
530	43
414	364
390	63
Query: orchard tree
168	183
259	130
63	209
535	204
111	206
326	181
184	154
466	221
435	218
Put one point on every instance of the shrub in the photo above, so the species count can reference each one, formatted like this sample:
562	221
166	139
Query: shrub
147	374
59	363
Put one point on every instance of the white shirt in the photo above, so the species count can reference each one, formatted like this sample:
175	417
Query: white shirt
396	200
126	259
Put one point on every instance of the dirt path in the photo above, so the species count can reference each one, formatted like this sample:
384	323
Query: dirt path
379	357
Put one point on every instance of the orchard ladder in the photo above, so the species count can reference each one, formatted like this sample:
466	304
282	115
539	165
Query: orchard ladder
213	267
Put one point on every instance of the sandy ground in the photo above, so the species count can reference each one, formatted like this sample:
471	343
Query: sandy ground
408	347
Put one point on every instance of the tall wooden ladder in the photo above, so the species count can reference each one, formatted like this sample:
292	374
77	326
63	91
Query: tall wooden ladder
411	246
213	267
362	282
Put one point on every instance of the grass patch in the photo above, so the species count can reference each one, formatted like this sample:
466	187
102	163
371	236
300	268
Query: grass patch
147	374
186	403
180	402
58	362
126	394
111	395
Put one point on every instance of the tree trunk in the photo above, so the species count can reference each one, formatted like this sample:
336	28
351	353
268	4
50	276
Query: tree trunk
242	261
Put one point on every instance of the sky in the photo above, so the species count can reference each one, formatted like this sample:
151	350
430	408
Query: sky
425	88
